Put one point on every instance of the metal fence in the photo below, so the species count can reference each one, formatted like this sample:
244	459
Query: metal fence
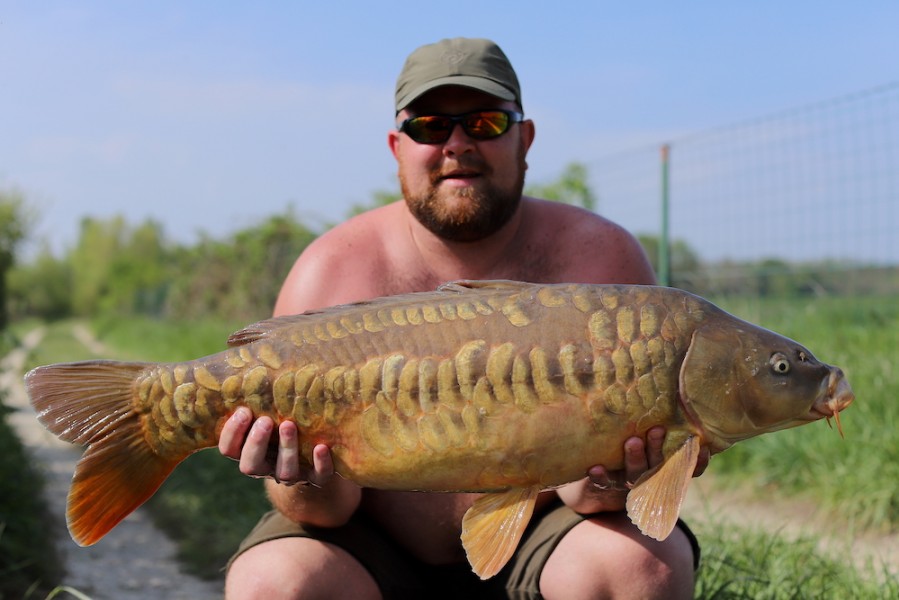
811	194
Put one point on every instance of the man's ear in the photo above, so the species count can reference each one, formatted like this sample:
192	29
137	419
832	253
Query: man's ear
528	131
393	140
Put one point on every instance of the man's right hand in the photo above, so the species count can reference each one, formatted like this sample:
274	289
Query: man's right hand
260	455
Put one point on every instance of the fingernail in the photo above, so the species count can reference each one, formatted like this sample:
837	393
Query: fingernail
240	416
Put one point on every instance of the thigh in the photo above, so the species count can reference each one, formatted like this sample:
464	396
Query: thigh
521	577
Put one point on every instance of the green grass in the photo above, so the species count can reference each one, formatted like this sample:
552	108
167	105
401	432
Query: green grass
742	563
29	563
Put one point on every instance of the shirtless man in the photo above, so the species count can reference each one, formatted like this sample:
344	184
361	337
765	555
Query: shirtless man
463	217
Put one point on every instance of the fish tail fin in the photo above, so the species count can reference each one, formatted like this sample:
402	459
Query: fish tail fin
92	403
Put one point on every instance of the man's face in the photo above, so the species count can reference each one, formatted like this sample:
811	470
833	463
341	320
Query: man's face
463	189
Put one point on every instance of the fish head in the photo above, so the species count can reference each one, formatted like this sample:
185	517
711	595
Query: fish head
739	380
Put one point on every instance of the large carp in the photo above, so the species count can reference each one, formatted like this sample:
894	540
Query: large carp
500	387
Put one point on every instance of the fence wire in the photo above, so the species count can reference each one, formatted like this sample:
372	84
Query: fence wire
808	190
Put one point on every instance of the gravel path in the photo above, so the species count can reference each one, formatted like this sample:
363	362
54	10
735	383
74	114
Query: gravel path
135	560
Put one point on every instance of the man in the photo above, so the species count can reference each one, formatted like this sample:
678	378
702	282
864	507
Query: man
460	146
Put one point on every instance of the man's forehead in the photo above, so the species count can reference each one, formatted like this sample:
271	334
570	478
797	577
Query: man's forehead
455	98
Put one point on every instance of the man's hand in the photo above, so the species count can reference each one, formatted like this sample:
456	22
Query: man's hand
605	490
262	455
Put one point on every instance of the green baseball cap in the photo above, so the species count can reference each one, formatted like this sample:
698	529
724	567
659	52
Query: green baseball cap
475	63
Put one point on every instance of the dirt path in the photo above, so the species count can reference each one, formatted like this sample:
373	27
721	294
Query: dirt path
135	560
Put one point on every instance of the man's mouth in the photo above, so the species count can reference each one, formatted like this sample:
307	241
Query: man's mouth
459	175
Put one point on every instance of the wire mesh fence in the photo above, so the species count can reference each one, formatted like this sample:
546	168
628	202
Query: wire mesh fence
805	201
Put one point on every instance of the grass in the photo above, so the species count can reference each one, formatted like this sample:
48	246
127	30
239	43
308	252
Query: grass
29	563
209	506
743	563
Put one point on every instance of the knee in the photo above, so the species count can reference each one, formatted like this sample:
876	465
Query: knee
297	568
607	557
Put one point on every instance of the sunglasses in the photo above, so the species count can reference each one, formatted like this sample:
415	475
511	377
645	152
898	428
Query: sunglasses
478	125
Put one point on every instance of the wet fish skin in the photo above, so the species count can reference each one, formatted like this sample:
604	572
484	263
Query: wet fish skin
482	386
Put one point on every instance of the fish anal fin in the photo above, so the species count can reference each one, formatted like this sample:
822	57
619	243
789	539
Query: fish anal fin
493	526
655	502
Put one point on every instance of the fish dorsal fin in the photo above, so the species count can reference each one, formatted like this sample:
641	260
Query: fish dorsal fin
492	528
465	285
655	502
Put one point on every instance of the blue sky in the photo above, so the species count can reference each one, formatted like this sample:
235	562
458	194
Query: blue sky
210	116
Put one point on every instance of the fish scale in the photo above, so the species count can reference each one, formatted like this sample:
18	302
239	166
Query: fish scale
500	387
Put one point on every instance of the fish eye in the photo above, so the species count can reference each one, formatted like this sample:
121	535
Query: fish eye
780	364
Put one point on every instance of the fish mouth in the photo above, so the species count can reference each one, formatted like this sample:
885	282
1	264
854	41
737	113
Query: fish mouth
836	397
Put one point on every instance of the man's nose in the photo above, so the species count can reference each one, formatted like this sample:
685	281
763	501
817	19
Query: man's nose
458	142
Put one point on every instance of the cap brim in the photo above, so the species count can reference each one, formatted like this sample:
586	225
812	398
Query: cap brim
487	86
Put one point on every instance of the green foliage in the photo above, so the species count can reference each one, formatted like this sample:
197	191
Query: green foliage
119	268
28	558
43	289
379	198
572	187
685	262
15	223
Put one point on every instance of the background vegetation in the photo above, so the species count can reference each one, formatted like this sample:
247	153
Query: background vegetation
149	298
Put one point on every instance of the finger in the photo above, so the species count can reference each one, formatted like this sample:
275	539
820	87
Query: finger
655	441
703	461
322	464
635	463
253	457
287	465
234	432
603	480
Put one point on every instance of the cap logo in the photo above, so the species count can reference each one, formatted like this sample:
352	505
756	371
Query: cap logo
453	57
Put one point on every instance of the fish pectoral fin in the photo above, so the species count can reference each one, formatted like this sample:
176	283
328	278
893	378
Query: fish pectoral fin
655	502
493	526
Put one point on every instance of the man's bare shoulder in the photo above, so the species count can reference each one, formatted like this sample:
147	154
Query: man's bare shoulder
598	250
339	265
574	219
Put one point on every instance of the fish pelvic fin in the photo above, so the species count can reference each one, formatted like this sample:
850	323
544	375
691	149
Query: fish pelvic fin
655	502
493	526
91	403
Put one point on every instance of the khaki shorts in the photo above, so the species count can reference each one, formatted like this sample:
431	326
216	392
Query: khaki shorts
400	575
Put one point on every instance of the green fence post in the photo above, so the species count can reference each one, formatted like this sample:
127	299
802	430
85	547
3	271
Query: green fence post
664	246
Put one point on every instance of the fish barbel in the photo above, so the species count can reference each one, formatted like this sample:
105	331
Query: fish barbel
499	387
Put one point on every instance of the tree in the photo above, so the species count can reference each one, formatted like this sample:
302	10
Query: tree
15	223
572	187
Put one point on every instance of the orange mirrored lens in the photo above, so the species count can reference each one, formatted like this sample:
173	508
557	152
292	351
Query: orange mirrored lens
482	125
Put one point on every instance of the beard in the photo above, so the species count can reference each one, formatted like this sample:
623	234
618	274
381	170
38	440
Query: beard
469	214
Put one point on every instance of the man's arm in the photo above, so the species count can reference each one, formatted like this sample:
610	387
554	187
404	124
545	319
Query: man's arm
319	499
